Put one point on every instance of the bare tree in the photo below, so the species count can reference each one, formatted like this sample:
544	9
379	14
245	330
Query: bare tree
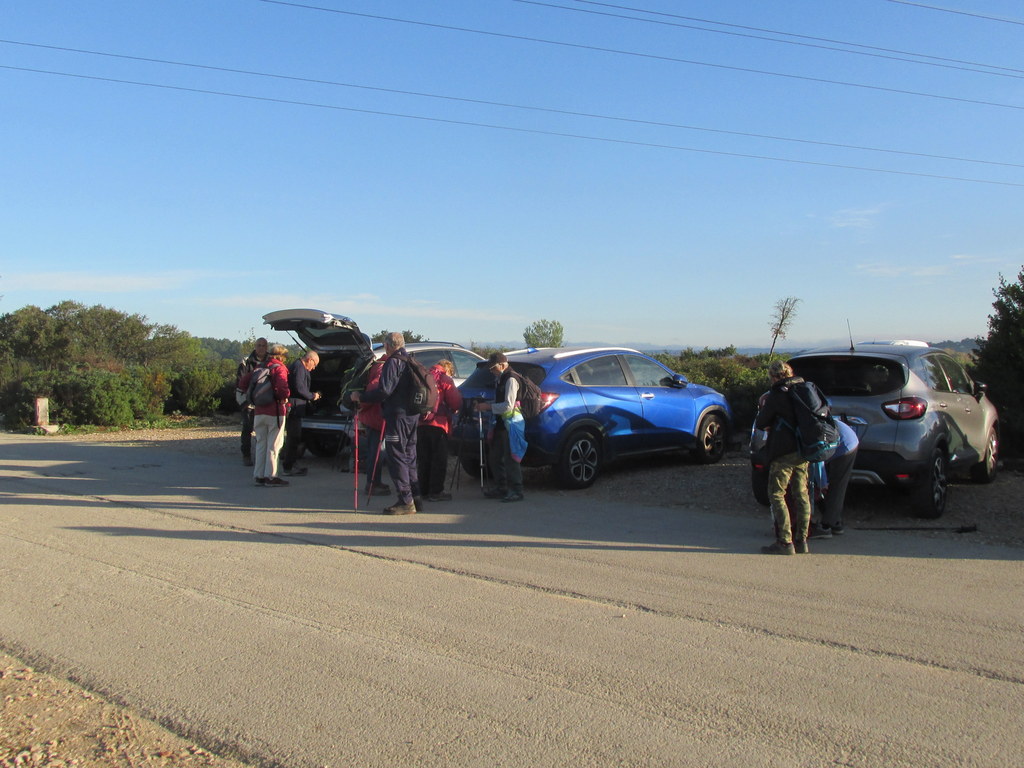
785	311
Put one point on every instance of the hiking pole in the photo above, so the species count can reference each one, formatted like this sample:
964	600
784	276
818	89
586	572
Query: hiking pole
458	462
480	423
374	471
355	470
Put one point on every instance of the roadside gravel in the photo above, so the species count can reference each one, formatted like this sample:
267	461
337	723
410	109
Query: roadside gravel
52	723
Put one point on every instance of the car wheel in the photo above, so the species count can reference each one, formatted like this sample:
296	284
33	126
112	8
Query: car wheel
324	446
471	466
580	462
932	492
710	446
759	485
985	470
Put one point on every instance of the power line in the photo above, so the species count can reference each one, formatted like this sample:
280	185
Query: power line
961	13
548	110
493	126
889	54
638	54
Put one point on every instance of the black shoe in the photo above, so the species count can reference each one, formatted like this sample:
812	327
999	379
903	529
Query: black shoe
818	531
275	482
837	529
495	493
261	481
296	471
778	548
512	496
439	497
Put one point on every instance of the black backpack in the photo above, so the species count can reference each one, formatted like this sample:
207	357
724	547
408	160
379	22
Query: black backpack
261	387
421	388
530	399
817	435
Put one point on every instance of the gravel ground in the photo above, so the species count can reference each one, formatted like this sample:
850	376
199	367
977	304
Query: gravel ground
50	722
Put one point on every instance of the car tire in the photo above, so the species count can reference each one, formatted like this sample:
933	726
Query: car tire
323	446
471	466
759	485
985	470
931	494
580	461
710	446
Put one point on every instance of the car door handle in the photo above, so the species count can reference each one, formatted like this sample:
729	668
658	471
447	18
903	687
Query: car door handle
646	395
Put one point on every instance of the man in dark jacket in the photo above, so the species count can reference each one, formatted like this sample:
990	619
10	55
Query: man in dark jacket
399	425
508	475
298	384
787	470
256	359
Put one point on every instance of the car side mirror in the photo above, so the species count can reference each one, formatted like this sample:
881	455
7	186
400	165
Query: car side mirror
980	390
679	381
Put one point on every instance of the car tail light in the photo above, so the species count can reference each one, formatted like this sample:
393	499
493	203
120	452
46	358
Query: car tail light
547	398
905	408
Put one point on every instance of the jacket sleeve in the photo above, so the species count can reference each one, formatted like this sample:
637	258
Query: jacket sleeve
281	391
452	396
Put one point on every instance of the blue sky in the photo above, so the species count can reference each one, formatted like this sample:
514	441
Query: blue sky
646	171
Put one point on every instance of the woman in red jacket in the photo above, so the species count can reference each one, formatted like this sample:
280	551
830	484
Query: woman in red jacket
268	423
432	434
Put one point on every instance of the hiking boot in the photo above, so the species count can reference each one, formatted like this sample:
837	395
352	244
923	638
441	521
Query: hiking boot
818	531
495	493
439	497
275	482
297	471
400	509
778	548
512	496
800	547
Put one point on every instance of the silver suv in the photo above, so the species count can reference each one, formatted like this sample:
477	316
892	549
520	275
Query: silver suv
918	415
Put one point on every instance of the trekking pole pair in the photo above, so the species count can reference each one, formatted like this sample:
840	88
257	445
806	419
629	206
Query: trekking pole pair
372	474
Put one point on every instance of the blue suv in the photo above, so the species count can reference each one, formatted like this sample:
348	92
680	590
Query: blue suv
601	404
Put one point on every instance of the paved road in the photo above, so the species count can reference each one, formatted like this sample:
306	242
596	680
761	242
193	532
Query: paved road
287	625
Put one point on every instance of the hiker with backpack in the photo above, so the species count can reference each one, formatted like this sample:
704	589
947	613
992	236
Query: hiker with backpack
787	469
256	359
432	438
268	393
508	441
399	397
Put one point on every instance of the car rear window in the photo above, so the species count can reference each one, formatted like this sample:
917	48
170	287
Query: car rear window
846	375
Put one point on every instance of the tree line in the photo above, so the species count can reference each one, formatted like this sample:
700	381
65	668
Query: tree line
106	368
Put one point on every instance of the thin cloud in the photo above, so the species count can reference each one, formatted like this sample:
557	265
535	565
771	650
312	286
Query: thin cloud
359	306
857	218
87	282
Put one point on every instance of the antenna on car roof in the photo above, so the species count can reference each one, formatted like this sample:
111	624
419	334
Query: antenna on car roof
850	331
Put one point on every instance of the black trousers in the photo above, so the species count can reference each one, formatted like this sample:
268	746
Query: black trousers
432	458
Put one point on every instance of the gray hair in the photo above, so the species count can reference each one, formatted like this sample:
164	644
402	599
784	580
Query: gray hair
395	340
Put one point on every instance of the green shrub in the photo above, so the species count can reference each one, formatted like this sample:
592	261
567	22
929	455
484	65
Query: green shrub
197	390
